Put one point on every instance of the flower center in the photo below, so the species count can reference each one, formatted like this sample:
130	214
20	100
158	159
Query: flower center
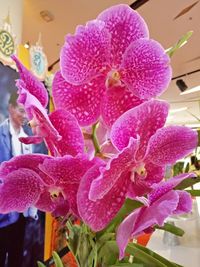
54	193
138	171
113	78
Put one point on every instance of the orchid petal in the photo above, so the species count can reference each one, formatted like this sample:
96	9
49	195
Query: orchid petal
20	190
32	85
97	214
66	170
82	101
29	161
125	26
31	140
143	120
86	54
184	204
116	101
125	230
72	141
121	163
170	144
145	217
145	69
163	187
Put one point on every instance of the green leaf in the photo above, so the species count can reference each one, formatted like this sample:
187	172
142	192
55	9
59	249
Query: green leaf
188	183
57	260
194	193
128	265
181	42
40	264
109	253
148	256
171	229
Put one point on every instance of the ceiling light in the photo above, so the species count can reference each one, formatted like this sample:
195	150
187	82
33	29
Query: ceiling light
181	85
192	90
177	110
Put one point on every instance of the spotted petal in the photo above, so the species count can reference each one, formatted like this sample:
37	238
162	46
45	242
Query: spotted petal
30	162
20	190
85	55
121	163
125	26
97	214
32	85
116	101
143	120
82	101
146	71
67	126
170	144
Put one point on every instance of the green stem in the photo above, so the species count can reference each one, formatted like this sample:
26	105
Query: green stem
94	138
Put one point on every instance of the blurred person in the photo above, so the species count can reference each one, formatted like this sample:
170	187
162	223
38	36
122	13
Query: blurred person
12	225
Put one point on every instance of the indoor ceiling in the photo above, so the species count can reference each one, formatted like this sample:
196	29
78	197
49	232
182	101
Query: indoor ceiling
160	17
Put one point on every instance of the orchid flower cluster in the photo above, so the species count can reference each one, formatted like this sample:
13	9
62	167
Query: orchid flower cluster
107	136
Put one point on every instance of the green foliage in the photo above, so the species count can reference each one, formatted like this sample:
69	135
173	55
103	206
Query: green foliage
188	183
171	229
40	264
181	42
57	260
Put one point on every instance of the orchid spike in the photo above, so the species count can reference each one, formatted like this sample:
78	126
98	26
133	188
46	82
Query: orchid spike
139	136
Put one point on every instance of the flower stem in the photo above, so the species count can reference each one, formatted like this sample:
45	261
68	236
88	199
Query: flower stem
94	138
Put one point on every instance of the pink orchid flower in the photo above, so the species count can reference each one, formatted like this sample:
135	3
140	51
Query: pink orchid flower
59	130
109	66
145	147
163	202
50	184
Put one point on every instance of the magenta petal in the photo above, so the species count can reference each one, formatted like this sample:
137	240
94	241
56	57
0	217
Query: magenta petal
20	190
86	54
116	101
145	68
72	141
145	217
97	214
31	140
125	230
121	163
82	101
163	187
143	120
45	202
31	162
32	85
156	213
125	26
184	204
62	208
170	144
70	193
66	170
